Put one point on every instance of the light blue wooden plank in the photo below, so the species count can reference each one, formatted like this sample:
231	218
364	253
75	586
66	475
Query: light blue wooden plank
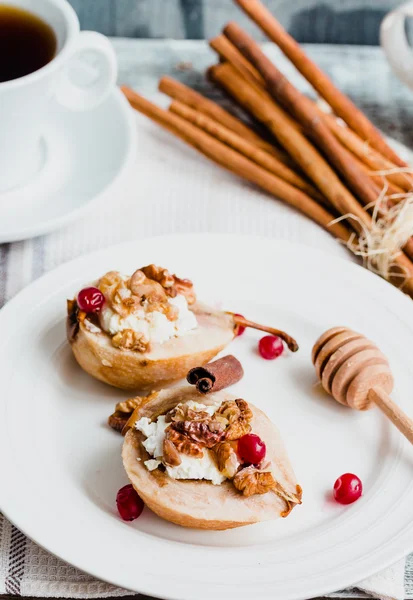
95	14
148	18
193	18
334	21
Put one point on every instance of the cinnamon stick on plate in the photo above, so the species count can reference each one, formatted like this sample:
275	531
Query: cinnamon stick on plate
237	163
339	102
216	375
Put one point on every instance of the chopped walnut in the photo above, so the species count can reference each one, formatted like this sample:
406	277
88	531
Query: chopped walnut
290	499
183	444
226	459
113	287
128	406
130	340
147	289
205	433
238	415
160	275
123	410
185	287
170	312
170	454
183	412
250	481
118	420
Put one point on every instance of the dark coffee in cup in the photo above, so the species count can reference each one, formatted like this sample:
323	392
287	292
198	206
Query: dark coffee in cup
27	43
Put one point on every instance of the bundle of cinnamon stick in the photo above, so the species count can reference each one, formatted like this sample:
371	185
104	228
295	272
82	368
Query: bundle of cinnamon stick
325	164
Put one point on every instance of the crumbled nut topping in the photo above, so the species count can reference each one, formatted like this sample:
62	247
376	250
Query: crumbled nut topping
146	289
123	410
128	339
160	275
205	433
250	481
183	412
118	420
128	406
191	431
170	454
172	284
149	287
114	288
226	459
183	444
238	415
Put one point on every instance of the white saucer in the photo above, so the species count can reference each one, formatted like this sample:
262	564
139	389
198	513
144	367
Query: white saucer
85	153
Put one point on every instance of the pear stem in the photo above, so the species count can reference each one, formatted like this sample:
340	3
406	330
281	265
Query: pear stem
291	343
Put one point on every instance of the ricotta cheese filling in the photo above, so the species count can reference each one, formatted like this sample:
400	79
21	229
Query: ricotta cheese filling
190	467
155	326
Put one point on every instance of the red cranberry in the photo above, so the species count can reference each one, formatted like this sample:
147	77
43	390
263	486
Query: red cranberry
90	300
129	504
348	488
270	347
251	449
241	328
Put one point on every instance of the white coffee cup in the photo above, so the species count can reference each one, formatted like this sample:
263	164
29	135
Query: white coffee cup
395	44
25	102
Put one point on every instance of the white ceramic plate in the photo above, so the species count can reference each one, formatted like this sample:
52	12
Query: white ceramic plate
85	155
61	465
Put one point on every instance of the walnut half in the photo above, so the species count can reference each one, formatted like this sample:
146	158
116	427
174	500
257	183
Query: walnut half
183	444
123	411
226	459
251	480
170	454
206	433
238	415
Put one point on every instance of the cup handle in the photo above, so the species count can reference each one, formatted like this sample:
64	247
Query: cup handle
395	45
83	85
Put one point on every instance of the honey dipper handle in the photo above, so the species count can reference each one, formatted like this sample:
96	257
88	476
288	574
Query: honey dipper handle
393	412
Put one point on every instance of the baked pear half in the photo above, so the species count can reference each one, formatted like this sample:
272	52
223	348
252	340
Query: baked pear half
145	330
181	454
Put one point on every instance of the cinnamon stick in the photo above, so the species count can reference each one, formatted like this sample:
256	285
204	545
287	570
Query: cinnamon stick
246	148
340	103
227	51
236	163
370	157
304	153
216	375
379	180
178	91
305	112
296	144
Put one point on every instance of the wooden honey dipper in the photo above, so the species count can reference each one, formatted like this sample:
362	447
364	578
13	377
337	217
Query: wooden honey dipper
355	372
